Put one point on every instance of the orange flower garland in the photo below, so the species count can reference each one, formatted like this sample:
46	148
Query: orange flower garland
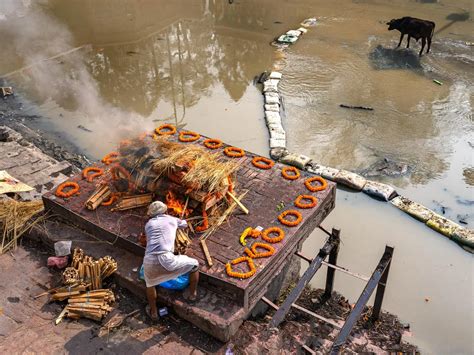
295	173
286	222
205	223
241	275
266	234
254	254
213	143
110	158
263	163
89	178
165	130
110	201
116	169
308	183
75	189
299	204
188	136
255	233
234	152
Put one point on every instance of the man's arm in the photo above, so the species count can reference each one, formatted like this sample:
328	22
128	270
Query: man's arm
182	223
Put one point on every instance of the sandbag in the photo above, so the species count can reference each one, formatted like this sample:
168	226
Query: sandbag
414	209
272	107
277	143
286	39
275	127
272	117
379	191
277	135
464	237
350	179
442	225
302	30
298	160
270	85
275	75
277	153
324	171
272	98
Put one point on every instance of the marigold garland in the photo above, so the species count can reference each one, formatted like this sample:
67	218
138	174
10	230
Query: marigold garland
300	204
89	178
205	223
255	233
188	136
75	189
295	173
234	152
241	275
116	169
263	163
286	222
266	234
213	143
308	183
254	254
110	201
165	130
110	158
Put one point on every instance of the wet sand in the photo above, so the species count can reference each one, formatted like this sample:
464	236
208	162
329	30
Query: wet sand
192	62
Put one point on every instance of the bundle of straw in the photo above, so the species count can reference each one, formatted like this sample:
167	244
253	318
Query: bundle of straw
16	218
206	171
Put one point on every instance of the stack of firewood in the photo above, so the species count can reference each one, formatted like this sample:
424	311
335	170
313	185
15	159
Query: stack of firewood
129	202
89	270
93	304
101	194
182	241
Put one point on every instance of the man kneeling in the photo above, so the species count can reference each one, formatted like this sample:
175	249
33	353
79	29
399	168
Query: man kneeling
160	264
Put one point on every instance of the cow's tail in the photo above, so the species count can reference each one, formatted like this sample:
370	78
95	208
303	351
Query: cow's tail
432	30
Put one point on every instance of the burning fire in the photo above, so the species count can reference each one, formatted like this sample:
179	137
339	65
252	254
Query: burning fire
175	206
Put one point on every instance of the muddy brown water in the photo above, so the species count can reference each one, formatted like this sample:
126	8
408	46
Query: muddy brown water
119	68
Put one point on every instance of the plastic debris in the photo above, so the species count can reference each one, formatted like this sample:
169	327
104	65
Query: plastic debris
58	261
163	311
350	179
357	107
379	190
298	160
287	39
6	91
437	82
414	209
62	248
309	22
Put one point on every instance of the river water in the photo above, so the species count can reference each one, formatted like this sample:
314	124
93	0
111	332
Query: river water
121	67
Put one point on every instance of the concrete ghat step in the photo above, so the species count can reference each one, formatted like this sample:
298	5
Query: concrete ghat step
213	313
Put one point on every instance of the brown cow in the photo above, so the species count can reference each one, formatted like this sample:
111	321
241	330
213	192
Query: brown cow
413	27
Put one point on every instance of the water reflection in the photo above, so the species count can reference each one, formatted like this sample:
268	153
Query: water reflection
394	58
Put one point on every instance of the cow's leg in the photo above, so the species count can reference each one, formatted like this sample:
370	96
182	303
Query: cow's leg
429	44
423	42
408	41
401	39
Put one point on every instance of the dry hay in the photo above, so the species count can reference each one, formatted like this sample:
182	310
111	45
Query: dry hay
207	171
16	219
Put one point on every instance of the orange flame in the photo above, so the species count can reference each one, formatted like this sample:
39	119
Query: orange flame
175	206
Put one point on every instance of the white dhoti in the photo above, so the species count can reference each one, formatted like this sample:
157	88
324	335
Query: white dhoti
161	267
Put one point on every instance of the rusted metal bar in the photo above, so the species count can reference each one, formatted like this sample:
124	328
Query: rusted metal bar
361	302
336	267
381	287
325	230
307	276
307	311
332	260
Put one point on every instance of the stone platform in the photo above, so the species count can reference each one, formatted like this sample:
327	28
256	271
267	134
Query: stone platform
228	301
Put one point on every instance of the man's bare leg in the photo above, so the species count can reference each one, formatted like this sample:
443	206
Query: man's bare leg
151	296
191	291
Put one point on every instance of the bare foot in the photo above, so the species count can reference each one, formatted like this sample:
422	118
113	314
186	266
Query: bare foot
189	296
152	315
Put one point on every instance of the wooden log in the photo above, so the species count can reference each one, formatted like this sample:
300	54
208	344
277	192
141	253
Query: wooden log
237	201
206	253
98	196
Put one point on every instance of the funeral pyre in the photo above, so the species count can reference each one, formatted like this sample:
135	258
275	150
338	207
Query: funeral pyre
195	183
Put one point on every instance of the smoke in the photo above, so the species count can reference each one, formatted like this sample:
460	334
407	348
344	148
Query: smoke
56	76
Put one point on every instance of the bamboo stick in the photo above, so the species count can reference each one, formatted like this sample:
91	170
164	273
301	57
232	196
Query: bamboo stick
236	200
